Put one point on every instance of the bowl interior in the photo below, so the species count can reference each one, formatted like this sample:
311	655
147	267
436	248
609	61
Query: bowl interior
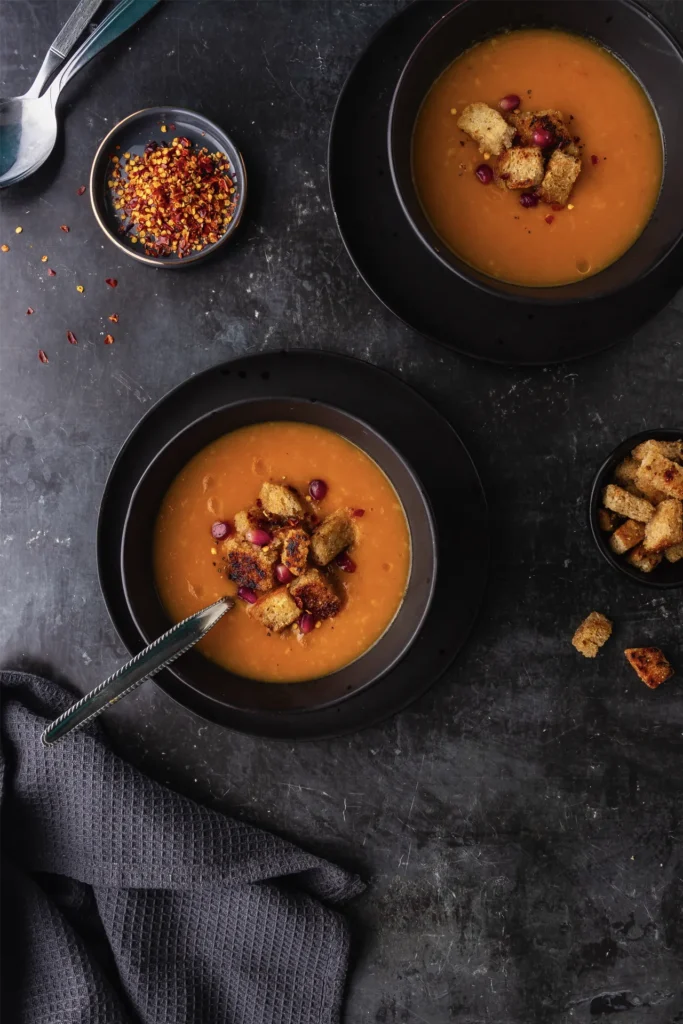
205	676
131	136
667	574
633	35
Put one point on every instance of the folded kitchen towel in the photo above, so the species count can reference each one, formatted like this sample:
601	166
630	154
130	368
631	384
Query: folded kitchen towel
125	902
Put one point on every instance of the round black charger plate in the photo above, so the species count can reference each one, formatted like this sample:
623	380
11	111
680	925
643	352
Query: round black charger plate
422	436
412	282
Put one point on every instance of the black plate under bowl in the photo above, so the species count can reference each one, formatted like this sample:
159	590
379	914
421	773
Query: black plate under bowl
411	280
393	419
131	136
248	695
636	39
667	575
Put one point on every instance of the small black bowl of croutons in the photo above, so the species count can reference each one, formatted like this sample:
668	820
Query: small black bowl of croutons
636	508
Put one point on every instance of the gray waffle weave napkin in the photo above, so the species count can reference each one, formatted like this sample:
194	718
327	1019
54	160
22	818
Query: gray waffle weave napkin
125	902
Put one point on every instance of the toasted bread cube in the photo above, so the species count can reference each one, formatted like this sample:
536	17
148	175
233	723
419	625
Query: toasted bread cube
278	500
616	499
669	449
559	179
593	632
251	519
487	127
625	473
334	534
674	553
248	565
294	549
276	610
626	537
527	122
644	560
607	521
521	167
666	526
650	664
316	594
658	471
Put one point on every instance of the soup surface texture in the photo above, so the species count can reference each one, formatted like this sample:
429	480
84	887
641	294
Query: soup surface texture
224	478
621	157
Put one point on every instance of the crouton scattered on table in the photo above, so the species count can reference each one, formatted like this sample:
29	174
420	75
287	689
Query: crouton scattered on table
521	167
626	536
644	560
248	565
316	594
616	499
294	549
607	521
650	664
669	449
593	632
666	526
526	122
276	610
674	553
658	471
561	173
278	500
487	127
329	539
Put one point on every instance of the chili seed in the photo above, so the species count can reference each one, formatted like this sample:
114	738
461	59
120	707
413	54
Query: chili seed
43	259
80	288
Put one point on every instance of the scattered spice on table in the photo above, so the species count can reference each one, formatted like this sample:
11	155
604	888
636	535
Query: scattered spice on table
5	248
81	190
42	356
109	339
175	198
80	288
30	310
43	259
51	272
17	231
111	281
114	318
64	227
71	338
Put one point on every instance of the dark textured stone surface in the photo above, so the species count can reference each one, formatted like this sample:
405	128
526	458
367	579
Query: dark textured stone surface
520	826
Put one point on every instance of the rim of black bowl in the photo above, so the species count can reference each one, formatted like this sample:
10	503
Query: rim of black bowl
408	641
674	570
218	132
551	295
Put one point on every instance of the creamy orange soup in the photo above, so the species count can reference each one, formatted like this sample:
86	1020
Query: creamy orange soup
224	478
621	153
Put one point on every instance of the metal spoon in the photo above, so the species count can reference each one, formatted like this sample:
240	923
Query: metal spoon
28	124
158	655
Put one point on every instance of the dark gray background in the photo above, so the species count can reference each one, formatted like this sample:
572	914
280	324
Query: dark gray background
519	827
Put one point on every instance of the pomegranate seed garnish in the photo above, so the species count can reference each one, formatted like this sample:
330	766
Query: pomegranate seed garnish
594	159
549	219
358	512
509	102
317	489
81	190
345	563
64	227
109	339
247	595
528	200
111	281
283	574
41	355
542	137
30	310
51	272
71	338
220	530
484	174
258	537
306	623
114	318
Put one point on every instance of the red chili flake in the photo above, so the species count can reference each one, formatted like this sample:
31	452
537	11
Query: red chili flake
64	227
549	219
30	310
109	340
41	355
71	338
114	318
171	127
594	159
111	281
557	206
81	190
358	512
51	272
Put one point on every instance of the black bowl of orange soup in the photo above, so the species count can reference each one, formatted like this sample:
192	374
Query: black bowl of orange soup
224	508
587	88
